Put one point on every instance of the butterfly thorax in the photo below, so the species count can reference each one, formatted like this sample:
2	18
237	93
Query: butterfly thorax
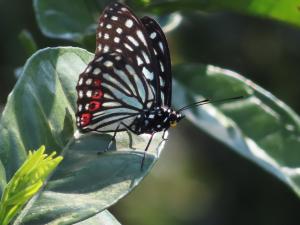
155	120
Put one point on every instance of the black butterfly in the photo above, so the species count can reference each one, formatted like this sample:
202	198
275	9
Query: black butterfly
128	85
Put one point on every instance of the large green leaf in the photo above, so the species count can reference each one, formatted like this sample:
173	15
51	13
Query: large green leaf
40	111
283	10
260	126
76	20
69	19
66	19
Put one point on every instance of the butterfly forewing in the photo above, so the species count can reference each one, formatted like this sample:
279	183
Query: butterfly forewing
120	31
162	55
109	91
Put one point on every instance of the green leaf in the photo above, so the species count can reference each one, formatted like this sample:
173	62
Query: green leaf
41	110
70	20
73	20
18	71
26	182
282	10
28	42
103	218
260	127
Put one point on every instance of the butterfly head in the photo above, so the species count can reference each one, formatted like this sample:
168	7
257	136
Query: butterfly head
174	118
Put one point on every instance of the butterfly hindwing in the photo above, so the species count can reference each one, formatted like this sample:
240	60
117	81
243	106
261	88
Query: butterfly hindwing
110	91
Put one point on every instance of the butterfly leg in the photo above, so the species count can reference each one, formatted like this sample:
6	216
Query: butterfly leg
146	149
163	136
112	138
115	133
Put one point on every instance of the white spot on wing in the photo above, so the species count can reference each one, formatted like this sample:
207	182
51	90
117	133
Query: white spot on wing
119	30
108	63
147	73
114	18
88	69
161	82
108	96
99	59
146	57
80	93
80	81
106	48
161	46
139	60
130	38
128	46
99	47
161	66
108	26
96	71
116	39
141	37
88	81
89	93
110	104
106	36
129	23
152	35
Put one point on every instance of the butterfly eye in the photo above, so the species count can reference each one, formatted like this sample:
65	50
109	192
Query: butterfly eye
173	123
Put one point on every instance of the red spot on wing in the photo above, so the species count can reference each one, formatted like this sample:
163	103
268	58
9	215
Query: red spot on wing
97	82
94	105
85	119
97	94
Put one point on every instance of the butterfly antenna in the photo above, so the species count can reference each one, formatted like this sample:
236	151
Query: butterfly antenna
207	101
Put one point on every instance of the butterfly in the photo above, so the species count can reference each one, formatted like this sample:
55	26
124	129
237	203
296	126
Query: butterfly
128	84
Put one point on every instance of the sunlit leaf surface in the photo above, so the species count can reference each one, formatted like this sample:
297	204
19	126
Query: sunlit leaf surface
259	126
41	111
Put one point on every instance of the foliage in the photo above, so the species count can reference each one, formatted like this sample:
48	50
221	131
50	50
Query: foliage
79	188
26	182
76	21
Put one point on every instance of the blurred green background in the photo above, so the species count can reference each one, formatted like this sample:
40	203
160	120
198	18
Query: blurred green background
197	180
